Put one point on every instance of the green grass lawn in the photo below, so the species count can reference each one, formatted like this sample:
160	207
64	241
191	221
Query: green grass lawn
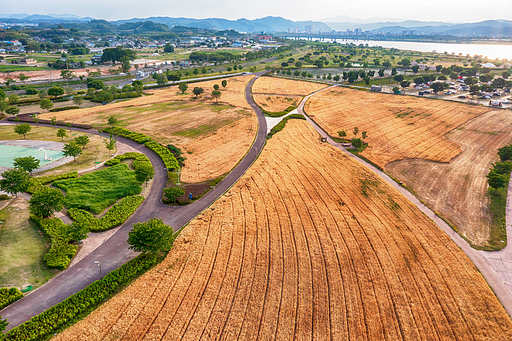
22	247
98	190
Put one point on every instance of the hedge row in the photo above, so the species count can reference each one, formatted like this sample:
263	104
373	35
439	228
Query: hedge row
37	182
8	296
79	305
114	217
26	118
279	113
137	137
65	108
281	124
61	251
167	157
117	96
140	159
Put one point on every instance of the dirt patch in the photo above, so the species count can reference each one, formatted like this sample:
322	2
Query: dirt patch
283	86
272	103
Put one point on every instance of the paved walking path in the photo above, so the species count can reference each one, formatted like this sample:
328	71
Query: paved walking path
114	251
486	262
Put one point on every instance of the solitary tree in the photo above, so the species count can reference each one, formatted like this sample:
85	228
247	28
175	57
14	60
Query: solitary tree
183	87
365	135
36	119
12	110
224	83
53	121
78	100
22	129
15	181
405	84
355	131
26	163
62	133
82	140
342	134
173	193
216	87
56	91
198	91
216	94
151	236
72	149
46	201
13	99
144	173
112	121
46	104
110	144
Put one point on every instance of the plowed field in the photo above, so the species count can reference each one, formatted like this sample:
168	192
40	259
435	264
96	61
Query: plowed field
458	190
399	127
217	135
276	103
282	86
307	245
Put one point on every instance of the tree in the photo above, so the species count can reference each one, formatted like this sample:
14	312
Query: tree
393	71
15	181
216	94
36	119
12	110
405	84
161	80
406	62
381	73
216	87
55	91
173	77
66	74
365	135
13	99
151	236
22	129
42	94
112	121
183	87
505	153
3	326
78	100
355	131
53	121
46	104
144	173
72	149
469	81
395	89
399	78
198	91
439	68
76	231
26	163
3	106
342	133
62	133
415	68
125	65
357	143
110	144
173	193
496	180
298	65
46	201
438	86
224	83
117	54
82	141
2	94
168	48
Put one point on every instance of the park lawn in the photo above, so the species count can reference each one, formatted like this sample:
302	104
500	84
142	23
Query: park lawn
95	150
98	190
22	247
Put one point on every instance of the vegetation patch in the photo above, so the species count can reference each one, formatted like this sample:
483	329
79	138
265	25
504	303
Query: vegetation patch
282	124
98	190
165	154
37	182
65	108
279	113
137	137
8	296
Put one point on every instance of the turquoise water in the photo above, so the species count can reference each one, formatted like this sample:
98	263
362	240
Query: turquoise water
8	153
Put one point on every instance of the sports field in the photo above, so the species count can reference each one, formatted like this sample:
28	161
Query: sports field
8	153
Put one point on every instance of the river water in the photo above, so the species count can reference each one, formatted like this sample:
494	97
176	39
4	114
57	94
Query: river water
491	51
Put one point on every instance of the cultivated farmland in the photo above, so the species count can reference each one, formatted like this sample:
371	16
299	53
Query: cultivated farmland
458	190
314	246
273	103
399	127
282	86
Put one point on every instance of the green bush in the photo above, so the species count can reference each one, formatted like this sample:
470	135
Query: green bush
279	113
281	124
167	157
8	296
39	181
65	108
178	154
31	91
79	305
61	251
114	217
137	137
4	197
139	159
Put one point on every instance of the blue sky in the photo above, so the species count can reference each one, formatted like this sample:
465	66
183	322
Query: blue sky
431	10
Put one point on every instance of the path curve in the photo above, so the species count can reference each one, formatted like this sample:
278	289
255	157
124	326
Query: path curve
492	277
114	252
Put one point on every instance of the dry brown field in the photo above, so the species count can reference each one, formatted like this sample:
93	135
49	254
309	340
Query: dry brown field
273	103
458	190
282	86
216	135
309	244
399	127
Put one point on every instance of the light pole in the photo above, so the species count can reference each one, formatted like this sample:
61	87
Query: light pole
99	265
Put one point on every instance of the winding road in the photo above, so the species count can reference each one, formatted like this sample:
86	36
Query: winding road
114	251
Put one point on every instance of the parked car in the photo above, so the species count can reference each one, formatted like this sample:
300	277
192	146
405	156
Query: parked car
462	97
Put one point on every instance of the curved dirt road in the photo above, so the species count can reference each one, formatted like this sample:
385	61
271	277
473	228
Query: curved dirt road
114	252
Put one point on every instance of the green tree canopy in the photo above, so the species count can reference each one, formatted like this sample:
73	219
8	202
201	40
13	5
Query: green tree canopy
82	140
56	91
117	54
14	181
46	201
12	110
183	87
26	163
173	193
144	173
224	83
22	129
151	236
198	91
216	95
62	133
72	149
46	104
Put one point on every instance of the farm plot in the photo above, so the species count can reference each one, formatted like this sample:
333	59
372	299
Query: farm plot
215	135
458	190
273	103
282	86
398	127
309	244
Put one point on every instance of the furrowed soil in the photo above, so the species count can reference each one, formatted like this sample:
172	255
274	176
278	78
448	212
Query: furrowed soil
215	135
458	190
282	86
398	127
309	244
272	103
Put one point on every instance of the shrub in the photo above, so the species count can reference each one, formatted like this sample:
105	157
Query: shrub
79	305
8	296
114	217
138	158
137	137
178	154
37	182
282	124
279	113
167	157
65	108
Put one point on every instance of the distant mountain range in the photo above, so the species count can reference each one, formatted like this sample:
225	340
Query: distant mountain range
489	28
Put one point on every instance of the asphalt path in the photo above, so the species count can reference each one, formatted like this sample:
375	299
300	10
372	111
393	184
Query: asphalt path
486	262
114	252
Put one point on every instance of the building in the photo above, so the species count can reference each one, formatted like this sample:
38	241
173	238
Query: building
309	28
376	88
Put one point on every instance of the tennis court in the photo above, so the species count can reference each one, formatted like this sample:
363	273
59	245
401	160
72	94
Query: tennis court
8	153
